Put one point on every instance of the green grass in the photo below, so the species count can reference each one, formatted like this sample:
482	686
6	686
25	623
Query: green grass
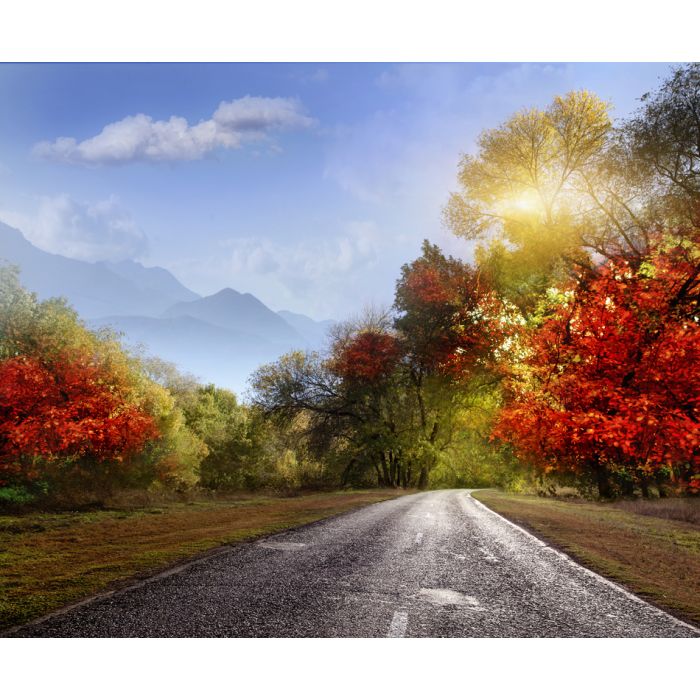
48	560
652	550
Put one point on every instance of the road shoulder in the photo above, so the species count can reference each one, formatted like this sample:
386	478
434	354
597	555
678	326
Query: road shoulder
656	559
54	562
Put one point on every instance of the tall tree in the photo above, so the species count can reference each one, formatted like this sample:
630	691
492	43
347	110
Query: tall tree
521	193
388	394
450	326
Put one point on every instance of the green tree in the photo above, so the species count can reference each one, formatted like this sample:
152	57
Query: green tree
663	139
385	401
49	331
224	426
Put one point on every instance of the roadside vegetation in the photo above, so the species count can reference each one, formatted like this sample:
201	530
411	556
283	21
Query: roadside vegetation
567	354
653	548
565	357
48	560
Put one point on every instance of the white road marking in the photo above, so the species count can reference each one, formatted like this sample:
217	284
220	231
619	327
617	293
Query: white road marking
576	565
282	546
419	538
488	555
398	625
446	596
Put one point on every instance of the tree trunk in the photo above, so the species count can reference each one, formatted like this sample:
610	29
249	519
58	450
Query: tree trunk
385	469
423	478
644	485
392	469
380	483
662	489
346	472
603	481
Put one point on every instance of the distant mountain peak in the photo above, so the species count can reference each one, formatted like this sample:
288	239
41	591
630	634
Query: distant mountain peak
315	332
94	289
243	313
152	279
226	292
286	313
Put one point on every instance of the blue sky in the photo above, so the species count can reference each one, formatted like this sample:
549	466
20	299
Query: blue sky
306	184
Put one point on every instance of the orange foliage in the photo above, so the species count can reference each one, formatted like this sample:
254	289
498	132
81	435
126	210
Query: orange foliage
69	408
615	374
369	356
451	320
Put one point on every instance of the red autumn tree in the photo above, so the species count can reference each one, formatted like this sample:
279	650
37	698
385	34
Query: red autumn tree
612	379
449	318
69	408
450	326
369	356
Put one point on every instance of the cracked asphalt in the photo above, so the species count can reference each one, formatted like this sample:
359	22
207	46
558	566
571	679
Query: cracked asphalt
435	564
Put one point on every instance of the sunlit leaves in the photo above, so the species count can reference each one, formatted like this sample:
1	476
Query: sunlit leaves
613	376
527	171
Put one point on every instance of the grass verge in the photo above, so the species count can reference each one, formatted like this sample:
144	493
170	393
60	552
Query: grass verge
655	556
48	560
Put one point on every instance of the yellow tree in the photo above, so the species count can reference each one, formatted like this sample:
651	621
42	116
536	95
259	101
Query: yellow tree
545	189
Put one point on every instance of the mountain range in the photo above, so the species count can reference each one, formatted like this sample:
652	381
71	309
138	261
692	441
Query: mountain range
220	338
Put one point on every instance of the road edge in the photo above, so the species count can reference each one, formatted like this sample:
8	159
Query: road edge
572	562
135	582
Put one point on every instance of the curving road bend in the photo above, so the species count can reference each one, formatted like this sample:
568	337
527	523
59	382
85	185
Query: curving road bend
435	564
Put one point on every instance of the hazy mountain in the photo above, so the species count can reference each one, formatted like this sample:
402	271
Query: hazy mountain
152	280
220	338
93	289
214	354
314	332
238	312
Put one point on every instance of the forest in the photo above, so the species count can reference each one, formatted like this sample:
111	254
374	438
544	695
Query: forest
567	354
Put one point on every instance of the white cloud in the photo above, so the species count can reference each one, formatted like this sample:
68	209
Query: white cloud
320	75
100	231
141	138
328	276
304	262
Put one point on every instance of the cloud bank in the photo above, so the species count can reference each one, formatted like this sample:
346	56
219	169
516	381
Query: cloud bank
100	231
140	138
328	276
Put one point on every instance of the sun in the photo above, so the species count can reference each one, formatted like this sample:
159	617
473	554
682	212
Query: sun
526	202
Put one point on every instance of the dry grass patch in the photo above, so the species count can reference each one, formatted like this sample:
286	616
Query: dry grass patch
653	551
49	560
684	509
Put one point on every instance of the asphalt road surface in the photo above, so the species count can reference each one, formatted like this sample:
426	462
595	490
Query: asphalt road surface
435	564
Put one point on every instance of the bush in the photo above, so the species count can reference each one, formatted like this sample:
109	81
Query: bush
15	496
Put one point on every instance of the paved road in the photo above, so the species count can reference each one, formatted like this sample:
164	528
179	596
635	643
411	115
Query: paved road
434	564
